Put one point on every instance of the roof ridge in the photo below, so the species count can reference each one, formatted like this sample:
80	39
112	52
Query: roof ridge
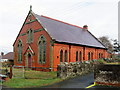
61	21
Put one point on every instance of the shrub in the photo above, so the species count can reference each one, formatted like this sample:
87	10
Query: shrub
101	61
4	64
7	63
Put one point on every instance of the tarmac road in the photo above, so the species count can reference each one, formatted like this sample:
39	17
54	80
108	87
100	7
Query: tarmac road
77	82
83	81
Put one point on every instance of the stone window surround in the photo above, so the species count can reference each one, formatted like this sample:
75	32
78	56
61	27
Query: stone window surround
42	52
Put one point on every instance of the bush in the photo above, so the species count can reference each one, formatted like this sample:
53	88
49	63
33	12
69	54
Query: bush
118	60
4	71
101	61
7	63
4	64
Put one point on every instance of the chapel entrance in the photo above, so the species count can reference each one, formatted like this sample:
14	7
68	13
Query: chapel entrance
29	60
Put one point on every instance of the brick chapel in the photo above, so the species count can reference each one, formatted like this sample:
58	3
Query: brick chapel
44	42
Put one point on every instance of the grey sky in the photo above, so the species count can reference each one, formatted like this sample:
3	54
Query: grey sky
101	16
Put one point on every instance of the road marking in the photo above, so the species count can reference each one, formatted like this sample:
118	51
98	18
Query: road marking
91	85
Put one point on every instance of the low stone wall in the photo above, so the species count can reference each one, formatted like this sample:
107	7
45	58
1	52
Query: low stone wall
65	70
107	74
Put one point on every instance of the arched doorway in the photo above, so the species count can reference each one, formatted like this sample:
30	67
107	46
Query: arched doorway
29	60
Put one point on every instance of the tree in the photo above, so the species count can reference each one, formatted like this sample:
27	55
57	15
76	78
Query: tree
107	43
116	46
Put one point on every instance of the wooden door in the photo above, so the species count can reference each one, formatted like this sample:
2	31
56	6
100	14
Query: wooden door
29	60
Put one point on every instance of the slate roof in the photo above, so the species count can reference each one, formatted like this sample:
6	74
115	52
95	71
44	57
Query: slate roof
9	56
67	33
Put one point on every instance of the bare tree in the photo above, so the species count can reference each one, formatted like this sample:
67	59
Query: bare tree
106	42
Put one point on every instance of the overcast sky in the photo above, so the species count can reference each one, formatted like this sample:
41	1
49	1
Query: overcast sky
101	16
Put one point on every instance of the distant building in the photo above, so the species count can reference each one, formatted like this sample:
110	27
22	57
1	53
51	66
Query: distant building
7	57
45	42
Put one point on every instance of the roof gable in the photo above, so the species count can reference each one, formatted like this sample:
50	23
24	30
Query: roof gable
64	32
21	28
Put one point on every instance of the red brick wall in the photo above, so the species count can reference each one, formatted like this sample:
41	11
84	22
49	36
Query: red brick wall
34	26
55	59
72	53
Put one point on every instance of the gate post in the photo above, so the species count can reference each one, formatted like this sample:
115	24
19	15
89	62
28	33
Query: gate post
10	72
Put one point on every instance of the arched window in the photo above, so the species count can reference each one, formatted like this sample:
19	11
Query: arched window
19	51
76	56
89	56
42	49
99	55
65	57
61	56
29	35
92	56
80	56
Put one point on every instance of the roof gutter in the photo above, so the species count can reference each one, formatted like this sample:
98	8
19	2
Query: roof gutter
77	44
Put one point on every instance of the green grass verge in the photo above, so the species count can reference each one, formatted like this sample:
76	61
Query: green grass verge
39	75
114	63
0	82
24	83
32	79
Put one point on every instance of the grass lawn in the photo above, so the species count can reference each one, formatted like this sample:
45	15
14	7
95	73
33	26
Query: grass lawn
0	82
113	63
24	83
33	79
104	62
30	74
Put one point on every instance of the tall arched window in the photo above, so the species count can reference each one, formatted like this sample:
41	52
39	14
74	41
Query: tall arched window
42	49
92	56
99	55
61	56
65	57
76	56
19	51
80	56
29	35
89	56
